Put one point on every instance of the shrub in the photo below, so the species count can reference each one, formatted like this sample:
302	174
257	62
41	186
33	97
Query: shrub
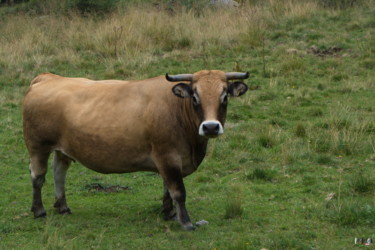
266	141
45	7
368	64
344	147
64	6
94	6
339	77
261	174
339	4
324	160
300	130
233	206
195	5
322	144
350	213
361	183
316	112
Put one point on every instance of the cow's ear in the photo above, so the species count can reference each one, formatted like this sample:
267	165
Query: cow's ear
237	89
182	90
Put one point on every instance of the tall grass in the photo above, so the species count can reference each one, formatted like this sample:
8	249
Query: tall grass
131	37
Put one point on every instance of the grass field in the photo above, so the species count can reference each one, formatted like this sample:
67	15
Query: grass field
295	168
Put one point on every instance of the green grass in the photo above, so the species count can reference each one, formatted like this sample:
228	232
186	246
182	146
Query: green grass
293	170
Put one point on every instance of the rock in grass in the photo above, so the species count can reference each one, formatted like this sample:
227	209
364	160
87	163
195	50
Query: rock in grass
201	223
330	196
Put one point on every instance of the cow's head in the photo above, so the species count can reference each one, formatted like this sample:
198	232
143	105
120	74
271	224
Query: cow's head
209	92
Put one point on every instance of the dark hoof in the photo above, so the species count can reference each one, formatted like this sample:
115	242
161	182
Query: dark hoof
39	212
65	211
40	215
188	227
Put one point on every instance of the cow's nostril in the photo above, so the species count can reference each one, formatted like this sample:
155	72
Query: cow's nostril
211	128
217	128
205	128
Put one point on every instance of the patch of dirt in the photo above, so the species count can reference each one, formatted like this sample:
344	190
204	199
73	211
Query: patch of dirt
331	51
106	188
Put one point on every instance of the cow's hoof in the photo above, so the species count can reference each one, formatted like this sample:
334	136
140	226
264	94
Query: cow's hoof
189	227
65	210
40	214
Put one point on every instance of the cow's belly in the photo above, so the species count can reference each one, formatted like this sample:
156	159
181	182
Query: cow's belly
108	154
111	163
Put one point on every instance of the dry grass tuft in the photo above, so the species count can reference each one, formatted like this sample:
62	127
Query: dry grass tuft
134	36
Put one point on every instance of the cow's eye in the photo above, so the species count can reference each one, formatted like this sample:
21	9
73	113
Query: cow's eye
224	98
195	99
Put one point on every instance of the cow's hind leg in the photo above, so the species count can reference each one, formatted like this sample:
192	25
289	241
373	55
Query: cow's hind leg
60	165
167	208
38	170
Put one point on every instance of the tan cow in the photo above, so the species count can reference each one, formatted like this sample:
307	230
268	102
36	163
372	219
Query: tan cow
125	126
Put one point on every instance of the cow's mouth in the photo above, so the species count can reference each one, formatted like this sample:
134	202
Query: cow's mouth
211	136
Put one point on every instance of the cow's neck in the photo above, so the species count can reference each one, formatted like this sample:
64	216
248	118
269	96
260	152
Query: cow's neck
198	144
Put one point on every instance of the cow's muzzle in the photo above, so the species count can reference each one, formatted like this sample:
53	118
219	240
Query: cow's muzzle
211	129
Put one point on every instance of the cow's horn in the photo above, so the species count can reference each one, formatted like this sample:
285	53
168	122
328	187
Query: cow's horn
236	75
181	77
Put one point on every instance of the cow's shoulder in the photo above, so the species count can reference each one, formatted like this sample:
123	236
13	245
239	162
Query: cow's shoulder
44	77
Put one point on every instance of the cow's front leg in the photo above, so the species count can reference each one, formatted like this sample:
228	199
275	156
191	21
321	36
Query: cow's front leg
169	166
173	178
167	208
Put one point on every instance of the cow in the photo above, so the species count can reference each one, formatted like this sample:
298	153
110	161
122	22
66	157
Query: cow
161	124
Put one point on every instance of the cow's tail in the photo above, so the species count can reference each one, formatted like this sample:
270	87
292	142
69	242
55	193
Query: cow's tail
42	77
